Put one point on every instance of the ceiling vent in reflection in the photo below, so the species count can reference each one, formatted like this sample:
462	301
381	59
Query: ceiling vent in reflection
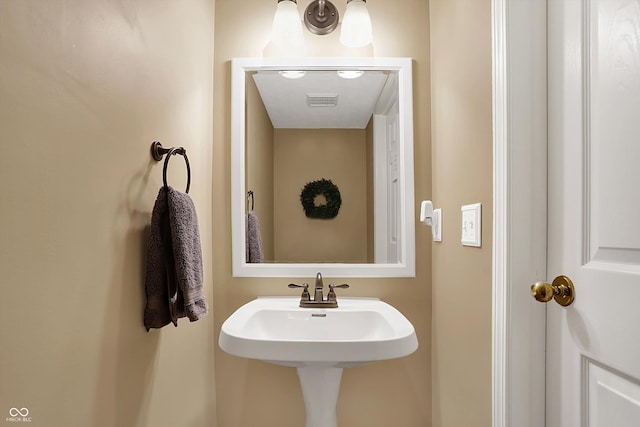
322	99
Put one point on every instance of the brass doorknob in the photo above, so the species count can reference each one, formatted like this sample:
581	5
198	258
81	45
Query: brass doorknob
561	290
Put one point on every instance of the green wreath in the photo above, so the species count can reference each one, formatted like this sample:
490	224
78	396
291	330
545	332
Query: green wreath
330	192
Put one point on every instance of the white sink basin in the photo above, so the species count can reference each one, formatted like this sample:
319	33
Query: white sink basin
319	342
276	330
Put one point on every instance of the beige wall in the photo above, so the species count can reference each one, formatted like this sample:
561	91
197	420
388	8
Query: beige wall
383	394
462	174
302	156
85	87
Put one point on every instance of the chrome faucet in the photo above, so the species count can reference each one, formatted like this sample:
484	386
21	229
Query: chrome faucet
318	298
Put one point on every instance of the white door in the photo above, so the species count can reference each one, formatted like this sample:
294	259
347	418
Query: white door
593	346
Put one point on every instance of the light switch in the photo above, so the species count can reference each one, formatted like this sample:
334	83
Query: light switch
471	225
436	230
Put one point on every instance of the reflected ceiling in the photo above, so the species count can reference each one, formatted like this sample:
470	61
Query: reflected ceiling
320	99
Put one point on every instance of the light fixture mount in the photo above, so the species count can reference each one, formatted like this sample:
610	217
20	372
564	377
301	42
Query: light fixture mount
321	17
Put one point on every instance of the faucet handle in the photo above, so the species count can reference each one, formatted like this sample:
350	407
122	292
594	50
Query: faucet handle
294	285
331	296
305	290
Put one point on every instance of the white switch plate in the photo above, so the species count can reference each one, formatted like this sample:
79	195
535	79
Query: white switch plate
471	225
436	229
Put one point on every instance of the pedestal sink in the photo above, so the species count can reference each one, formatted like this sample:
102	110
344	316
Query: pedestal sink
318	342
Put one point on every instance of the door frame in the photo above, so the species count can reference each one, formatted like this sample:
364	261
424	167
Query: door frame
381	231
519	211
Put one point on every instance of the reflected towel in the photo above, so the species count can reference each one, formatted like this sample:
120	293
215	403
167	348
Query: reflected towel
253	239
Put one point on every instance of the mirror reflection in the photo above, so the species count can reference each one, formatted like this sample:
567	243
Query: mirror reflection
316	126
324	166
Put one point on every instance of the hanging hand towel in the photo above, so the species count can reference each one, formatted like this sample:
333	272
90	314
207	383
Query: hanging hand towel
187	253
159	266
253	239
173	282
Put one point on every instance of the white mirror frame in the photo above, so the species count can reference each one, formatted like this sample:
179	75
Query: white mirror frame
404	268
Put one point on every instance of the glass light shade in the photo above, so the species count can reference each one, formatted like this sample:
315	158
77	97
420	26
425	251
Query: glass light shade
356	25
287	25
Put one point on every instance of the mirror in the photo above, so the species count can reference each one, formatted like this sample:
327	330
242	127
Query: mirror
300	122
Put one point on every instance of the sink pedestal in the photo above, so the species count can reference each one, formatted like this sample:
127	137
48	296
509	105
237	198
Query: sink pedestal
320	386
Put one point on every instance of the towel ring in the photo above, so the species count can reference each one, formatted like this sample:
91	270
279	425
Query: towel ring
157	152
250	198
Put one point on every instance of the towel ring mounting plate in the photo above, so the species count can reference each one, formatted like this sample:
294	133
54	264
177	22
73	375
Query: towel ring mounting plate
157	152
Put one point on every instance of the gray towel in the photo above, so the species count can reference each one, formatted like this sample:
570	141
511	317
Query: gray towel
173	282
187	252
159	266
253	239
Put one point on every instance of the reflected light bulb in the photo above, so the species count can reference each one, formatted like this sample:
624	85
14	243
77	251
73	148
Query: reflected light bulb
350	74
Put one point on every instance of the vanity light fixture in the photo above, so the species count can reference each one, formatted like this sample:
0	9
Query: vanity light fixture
356	26
286	30
321	17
